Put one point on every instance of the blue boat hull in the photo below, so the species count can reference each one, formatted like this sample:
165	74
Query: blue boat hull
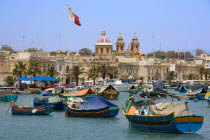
59	106
182	90
95	113
47	94
8	98
171	124
199	96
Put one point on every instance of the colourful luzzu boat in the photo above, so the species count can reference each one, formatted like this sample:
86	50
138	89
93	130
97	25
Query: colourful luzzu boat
7	95
27	110
55	101
172	117
96	107
198	94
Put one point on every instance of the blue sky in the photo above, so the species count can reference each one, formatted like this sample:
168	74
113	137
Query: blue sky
177	24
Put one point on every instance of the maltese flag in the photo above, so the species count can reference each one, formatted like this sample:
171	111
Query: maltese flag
73	17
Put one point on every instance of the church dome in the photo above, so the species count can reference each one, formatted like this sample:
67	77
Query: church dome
103	40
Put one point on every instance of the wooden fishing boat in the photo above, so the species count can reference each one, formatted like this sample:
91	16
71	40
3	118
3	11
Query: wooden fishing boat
199	94
133	90
96	107
173	117
27	110
109	92
56	102
8	95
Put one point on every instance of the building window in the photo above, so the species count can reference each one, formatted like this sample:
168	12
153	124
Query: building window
101	50
121	48
107	50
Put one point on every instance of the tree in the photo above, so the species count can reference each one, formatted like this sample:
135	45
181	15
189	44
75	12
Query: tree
112	72
52	71
34	69
82	80
32	50
199	52
10	80
188	56
103	69
85	51
200	71
53	53
76	71
19	70
171	75
7	48
93	73
191	76
206	73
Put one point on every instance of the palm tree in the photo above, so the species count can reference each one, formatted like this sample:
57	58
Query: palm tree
19	70
10	80
52	71
171	75
103	70
112	72
34	69
201	71
206	73
191	76
93	73
76	71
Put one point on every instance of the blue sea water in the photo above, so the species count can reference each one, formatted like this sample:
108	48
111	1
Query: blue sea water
58	127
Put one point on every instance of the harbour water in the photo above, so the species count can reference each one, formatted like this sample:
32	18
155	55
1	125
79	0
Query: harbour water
58	127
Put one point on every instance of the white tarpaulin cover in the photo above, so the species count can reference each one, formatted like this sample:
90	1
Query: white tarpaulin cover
54	99
164	108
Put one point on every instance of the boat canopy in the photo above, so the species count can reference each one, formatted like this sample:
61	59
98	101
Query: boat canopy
164	108
106	88
97	103
80	93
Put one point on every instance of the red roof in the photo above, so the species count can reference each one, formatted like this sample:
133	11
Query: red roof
103	38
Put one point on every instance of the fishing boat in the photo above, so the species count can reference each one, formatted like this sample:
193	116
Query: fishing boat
116	83
85	93
109	92
133	90
27	110
8	95
198	94
96	107
52	91
182	88
172	117
55	101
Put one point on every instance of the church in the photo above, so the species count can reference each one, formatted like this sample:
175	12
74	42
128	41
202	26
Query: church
104	47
